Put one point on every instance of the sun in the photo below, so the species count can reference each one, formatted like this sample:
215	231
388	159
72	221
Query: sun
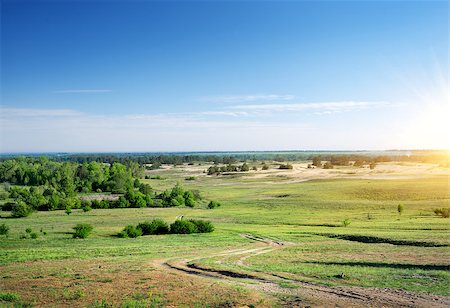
428	123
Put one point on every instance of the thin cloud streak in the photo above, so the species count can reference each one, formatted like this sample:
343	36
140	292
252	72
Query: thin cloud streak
330	106
247	98
31	112
83	91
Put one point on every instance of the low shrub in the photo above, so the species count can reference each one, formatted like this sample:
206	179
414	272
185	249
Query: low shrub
213	204
287	166
9	297
203	226
34	235
130	231
346	222
183	227
443	212
156	226
21	209
328	165
4	229
82	230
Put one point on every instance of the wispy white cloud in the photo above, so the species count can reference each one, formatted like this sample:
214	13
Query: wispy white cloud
247	98
324	106
68	130
83	91
31	112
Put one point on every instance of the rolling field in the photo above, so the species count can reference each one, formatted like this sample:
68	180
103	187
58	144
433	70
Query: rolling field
282	238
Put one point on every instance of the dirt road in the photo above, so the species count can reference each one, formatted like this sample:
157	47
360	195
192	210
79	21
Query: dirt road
297	293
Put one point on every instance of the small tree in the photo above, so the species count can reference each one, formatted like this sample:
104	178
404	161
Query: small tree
346	222
245	167
68	210
130	231
183	227
21	209
372	166
265	167
213	204
4	229
203	226
82	230
156	226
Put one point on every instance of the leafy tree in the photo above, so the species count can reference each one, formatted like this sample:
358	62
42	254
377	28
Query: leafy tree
203	226
4	229
183	227
245	167
146	189
82	230
213	204
140	202
21	209
156	226
130	231
190	202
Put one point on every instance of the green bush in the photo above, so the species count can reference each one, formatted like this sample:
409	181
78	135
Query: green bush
203	226
34	235
130	231
346	222
9	297
213	204
21	209
28	230
86	205
183	227
82	230
190	202
4	229
156	226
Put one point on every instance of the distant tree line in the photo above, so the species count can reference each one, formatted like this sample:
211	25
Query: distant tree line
435	156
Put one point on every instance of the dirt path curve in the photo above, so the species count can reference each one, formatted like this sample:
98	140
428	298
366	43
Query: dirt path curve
298	294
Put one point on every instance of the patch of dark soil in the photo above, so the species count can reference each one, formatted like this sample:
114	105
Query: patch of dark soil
224	272
380	240
427	267
282	196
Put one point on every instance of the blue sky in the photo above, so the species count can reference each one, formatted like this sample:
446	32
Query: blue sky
211	75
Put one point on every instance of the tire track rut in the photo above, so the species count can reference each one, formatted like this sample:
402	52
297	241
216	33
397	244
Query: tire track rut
299	294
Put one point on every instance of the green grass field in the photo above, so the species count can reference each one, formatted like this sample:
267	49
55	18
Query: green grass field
378	248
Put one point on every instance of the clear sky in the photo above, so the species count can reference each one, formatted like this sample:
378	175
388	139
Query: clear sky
208	75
